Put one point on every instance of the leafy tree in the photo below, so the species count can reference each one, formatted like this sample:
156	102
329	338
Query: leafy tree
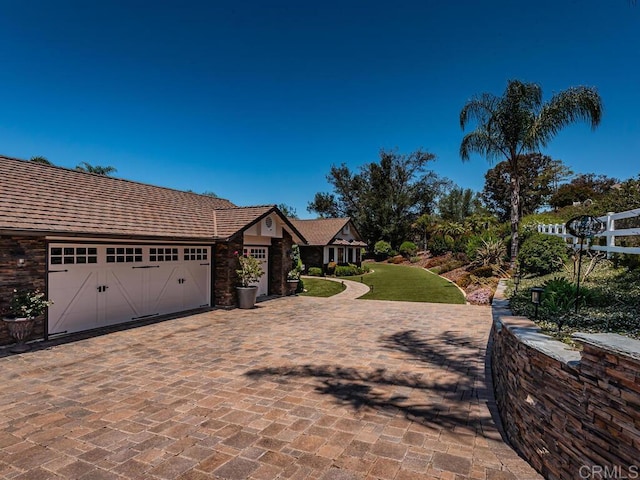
540	175
209	193
623	197
423	226
97	169
288	211
384	198
458	204
583	187
519	122
40	159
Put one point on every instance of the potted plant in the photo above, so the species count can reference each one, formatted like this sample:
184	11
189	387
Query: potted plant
293	276
24	307
249	272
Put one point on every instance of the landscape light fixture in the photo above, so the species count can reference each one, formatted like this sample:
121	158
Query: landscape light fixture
536	298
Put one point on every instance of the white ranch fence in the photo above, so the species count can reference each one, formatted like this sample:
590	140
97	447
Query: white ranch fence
610	233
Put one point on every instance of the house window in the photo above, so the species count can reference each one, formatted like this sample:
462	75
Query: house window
350	255
340	255
124	254
73	255
357	255
195	253
332	254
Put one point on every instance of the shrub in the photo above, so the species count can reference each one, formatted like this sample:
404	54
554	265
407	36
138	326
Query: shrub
382	248
346	270
542	254
408	249
485	271
300	288
415	259
450	265
331	267
438	245
350	270
558	299
464	281
629	261
315	271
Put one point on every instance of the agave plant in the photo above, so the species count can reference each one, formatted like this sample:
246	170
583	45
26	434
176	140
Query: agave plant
491	252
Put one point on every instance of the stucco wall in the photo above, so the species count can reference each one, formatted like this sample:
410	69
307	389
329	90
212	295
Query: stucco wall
30	276
570	414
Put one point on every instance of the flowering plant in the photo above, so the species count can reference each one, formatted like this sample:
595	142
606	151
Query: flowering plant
250	269
297	266
28	304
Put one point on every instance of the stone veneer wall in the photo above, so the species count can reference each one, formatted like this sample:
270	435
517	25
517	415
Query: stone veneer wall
225	276
570	414
279	264
31	276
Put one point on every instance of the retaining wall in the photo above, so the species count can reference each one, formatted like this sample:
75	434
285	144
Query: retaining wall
571	414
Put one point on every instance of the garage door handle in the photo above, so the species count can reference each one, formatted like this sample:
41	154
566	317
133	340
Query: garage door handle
148	266
58	271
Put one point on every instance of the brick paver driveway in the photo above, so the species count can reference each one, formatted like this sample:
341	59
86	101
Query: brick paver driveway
296	388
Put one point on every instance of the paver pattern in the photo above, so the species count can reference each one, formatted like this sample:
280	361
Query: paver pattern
296	388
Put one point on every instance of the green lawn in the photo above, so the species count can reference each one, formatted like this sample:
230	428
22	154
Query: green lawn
409	284
317	287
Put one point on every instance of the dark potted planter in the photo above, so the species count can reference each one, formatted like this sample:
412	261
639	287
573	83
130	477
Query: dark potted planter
247	296
292	286
20	329
24	308
249	272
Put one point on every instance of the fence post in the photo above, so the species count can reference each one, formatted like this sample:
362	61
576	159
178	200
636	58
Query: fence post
611	227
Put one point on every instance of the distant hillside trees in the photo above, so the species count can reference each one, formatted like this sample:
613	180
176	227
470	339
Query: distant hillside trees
383	198
539	179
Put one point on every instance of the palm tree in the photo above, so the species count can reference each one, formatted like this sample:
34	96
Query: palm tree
519	122
40	159
97	169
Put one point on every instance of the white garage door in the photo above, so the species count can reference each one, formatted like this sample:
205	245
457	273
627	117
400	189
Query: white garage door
98	285
262	254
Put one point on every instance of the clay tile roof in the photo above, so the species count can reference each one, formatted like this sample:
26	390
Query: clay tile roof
322	231
43	198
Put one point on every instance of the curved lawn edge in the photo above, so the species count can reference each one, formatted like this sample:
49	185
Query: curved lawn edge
409	284
464	294
321	287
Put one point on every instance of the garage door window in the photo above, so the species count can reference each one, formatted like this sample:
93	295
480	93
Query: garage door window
124	254
195	253
163	254
73	255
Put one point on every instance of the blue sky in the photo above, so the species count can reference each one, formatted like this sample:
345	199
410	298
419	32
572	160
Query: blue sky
255	100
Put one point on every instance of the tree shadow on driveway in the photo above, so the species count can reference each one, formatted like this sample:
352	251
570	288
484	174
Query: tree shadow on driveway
440	387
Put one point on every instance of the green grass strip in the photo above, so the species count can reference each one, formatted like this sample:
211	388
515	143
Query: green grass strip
316	287
408	284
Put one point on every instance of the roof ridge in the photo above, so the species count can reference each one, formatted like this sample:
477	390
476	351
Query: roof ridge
118	179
